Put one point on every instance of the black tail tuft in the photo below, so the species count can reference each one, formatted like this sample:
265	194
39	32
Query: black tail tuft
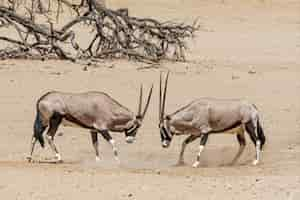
38	129
260	134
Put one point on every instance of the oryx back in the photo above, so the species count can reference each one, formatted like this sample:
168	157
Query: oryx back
218	114
84	109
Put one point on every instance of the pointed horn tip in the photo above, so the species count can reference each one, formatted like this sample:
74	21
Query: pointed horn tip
152	85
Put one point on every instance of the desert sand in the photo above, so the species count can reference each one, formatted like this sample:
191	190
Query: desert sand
245	49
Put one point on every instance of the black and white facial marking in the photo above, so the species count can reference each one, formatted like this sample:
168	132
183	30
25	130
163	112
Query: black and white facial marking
131	132
165	135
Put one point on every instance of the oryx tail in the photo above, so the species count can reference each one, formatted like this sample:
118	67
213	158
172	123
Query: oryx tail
260	134
38	128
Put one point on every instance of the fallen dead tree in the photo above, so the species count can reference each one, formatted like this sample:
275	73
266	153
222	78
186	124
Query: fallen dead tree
115	34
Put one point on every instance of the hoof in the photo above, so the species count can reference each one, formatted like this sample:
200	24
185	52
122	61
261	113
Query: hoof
255	162
118	160
180	164
29	159
196	164
59	161
97	159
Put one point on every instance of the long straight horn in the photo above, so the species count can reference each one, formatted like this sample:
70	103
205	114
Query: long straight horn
160	116
148	101
140	101
164	97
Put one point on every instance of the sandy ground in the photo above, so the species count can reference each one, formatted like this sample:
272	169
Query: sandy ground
236	37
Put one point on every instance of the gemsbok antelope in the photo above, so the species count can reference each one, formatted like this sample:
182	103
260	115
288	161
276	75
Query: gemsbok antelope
96	111
205	116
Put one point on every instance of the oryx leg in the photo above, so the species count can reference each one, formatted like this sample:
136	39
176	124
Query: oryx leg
242	142
251	128
32	145
108	138
33	142
188	140
94	135
55	121
203	141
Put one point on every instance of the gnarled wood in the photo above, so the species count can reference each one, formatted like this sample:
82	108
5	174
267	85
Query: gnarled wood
115	34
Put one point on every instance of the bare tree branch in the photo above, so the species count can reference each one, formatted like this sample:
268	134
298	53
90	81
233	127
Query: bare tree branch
114	34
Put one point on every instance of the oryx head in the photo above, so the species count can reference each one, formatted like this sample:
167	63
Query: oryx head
133	126
165	134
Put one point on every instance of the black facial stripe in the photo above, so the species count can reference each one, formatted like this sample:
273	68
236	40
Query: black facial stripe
132	130
164	134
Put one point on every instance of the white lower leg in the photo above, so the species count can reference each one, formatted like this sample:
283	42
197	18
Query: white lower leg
197	162
97	158
96	147
112	142
58	157
256	161
29	157
53	147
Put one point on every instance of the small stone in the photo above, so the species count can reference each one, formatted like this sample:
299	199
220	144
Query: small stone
252	70
130	195
229	187
60	134
73	138
111	66
233	77
55	73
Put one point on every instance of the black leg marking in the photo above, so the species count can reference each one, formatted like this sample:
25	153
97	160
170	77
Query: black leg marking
108	138
188	140
106	135
55	121
94	135
203	142
204	139
260	134
251	131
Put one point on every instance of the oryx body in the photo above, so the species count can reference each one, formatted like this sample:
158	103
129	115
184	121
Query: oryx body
96	111
205	116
